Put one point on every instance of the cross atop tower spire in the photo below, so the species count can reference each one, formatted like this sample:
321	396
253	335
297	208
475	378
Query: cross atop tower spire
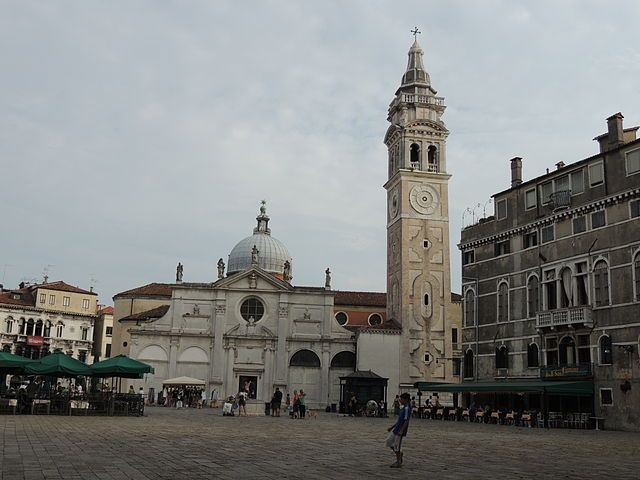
415	32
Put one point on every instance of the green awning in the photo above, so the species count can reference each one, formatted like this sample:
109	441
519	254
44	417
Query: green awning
577	388
58	365
120	366
13	364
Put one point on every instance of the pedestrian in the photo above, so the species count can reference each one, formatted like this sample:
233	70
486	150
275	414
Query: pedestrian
396	405
288	405
399	429
131	390
242	403
302	407
296	405
276	401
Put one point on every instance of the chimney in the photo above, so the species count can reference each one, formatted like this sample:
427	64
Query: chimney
615	131
559	165
615	136
516	171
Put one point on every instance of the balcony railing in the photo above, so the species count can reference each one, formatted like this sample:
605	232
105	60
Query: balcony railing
557	372
429	100
561	199
564	317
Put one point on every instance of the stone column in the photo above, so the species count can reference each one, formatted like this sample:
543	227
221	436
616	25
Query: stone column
174	343
218	358
326	362
281	347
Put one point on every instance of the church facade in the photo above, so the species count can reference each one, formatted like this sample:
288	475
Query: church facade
252	326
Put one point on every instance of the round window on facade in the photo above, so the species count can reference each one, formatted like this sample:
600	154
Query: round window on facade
342	318
375	319
252	310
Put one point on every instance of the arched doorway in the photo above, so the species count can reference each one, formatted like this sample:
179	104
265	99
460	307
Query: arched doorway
342	364
304	373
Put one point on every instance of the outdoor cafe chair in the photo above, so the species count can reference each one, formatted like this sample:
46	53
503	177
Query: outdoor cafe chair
509	418
453	414
440	414
525	420
480	417
495	418
465	413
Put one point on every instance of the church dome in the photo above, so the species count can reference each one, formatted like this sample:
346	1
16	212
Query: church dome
272	253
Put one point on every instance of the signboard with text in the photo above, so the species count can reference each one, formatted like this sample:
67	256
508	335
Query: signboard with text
35	341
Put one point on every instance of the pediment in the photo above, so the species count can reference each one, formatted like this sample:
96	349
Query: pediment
428	125
253	279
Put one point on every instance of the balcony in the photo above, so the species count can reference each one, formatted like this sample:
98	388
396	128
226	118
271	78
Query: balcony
561	199
564	317
565	372
429	100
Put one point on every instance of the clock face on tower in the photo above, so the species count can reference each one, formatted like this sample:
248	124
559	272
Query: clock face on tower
394	203
424	199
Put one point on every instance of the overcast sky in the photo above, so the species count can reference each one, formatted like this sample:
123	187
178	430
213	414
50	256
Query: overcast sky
136	134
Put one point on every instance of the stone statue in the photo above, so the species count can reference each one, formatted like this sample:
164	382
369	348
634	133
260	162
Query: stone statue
220	269
253	280
263	207
287	271
327	278
254	256
179	270
196	309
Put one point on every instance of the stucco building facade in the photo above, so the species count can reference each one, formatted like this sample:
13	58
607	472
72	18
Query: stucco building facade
552	280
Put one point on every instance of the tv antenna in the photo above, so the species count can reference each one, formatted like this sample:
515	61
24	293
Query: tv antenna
45	272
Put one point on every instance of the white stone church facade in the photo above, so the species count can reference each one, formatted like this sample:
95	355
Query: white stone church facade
253	325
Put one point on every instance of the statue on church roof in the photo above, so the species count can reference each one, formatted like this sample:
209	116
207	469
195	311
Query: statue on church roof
286	275
179	270
254	256
263	207
221	268
327	278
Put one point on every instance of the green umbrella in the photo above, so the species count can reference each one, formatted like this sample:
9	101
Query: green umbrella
13	364
120	366
58	365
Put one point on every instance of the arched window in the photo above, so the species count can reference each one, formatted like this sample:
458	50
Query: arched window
533	292
567	351
601	283
9	324
502	357
344	360
636	276
21	326
30	325
469	308
84	333
38	330
468	364
605	350
503	302
533	359
60	330
415	156
47	328
305	358
432	159
426	299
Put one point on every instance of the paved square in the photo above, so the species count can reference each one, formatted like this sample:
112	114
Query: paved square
193	444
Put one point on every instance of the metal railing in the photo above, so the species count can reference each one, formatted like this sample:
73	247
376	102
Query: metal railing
561	199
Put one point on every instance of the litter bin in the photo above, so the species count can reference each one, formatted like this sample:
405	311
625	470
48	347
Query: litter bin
267	408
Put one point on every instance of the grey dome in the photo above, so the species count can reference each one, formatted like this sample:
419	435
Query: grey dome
271	252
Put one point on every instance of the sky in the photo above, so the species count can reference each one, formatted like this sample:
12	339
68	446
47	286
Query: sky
134	135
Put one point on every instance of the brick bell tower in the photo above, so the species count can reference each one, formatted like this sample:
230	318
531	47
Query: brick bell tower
418	268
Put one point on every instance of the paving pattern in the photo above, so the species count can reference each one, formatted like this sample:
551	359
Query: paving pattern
194	444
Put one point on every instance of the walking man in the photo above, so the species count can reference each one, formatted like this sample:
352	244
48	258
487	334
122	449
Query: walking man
399	429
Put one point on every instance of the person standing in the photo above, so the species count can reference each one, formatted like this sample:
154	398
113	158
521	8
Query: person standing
242	403
288	405
276	401
399	430
296	404
396	405
302	407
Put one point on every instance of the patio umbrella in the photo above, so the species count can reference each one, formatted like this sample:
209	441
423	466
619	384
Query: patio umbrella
186	381
58	365
13	364
120	366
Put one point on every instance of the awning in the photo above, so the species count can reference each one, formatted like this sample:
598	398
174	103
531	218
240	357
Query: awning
186	381
120	366
578	388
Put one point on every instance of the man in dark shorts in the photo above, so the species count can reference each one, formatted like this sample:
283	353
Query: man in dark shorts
276	401
399	429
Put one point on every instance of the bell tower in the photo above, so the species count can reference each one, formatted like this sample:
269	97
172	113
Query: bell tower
418	269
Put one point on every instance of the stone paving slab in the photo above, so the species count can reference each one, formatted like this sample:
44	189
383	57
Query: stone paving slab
194	444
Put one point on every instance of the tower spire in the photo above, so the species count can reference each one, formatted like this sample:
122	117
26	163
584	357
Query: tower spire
415	74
